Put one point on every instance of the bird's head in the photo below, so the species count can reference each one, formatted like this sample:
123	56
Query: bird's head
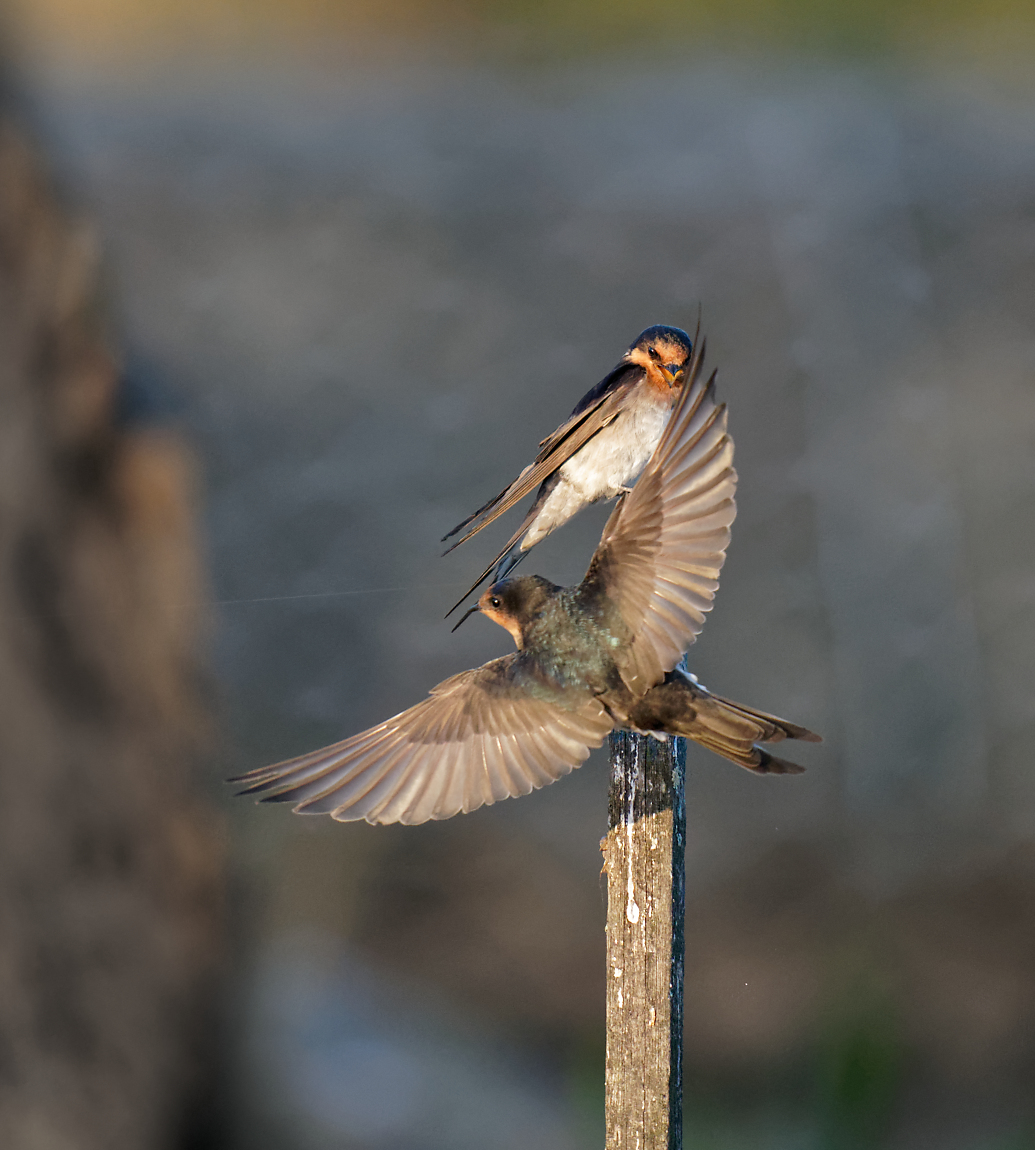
663	352
515	603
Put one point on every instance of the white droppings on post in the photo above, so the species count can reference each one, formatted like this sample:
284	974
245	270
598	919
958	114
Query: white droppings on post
632	910
643	1095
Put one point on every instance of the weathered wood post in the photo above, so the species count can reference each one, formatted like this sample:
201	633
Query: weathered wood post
644	860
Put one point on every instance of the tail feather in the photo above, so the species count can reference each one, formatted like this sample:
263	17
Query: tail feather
782	729
733	731
681	706
756	759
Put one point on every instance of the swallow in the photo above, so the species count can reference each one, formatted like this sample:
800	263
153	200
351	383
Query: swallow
589	658
599	449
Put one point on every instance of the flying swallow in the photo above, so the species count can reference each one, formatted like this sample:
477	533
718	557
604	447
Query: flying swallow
592	657
598	451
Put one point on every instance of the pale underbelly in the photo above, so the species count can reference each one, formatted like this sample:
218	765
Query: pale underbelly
605	467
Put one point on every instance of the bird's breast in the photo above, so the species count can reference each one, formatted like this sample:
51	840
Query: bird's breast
616	455
571	646
607	464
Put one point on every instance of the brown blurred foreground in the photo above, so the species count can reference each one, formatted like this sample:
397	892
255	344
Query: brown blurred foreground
110	896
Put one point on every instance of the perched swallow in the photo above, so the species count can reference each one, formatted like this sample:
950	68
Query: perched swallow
597	452
589	658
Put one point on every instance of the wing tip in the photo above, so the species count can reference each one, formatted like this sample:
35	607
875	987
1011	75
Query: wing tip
277	797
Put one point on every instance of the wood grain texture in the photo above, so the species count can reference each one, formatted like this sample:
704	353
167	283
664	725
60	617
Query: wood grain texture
644	859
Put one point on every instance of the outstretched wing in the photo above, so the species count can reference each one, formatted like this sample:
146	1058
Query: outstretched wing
659	557
481	736
594	412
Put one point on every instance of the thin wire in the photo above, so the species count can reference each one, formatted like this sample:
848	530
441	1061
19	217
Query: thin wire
327	594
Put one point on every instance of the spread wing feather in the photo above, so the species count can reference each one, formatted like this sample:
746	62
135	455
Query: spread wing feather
664	545
480	736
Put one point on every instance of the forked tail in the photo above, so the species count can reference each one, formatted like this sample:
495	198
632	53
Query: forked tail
679	705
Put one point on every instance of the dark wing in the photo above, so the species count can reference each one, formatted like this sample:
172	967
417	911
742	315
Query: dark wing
594	412
659	557
530	517
480	737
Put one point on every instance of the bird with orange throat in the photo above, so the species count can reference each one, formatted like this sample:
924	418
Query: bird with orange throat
590	658
596	453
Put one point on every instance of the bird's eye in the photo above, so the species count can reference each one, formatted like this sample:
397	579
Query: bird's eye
494	602
653	353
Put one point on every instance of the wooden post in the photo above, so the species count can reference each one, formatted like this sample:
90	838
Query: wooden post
644	860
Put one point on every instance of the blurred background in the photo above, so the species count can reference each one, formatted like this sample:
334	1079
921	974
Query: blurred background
288	288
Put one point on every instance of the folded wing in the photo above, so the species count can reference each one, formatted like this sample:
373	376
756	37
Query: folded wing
594	412
664	545
480	737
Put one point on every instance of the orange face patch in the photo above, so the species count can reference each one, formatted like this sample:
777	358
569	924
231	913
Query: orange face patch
501	618
654	375
670	351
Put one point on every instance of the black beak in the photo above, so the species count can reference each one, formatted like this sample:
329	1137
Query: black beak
672	372
469	611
